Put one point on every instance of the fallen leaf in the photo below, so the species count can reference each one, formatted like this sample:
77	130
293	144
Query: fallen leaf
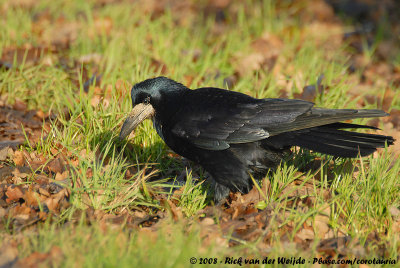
207	221
39	259
19	159
103	25
19	174
3	213
13	194
19	105
158	66
333	245
31	198
55	165
4	153
394	211
8	254
176	212
11	143
321	225
52	204
61	176
305	234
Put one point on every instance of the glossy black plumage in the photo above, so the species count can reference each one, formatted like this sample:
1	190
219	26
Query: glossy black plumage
232	135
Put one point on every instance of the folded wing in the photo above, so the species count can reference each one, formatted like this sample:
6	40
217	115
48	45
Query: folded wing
227	117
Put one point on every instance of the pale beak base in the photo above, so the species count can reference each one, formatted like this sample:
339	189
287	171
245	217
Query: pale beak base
138	114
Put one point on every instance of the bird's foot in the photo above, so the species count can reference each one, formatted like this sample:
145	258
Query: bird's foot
221	192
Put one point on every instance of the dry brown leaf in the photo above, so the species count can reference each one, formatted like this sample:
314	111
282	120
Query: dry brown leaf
62	176
8	253
14	194
329	234
95	101
321	225
44	192
269	44
52	204
61	34
333	245
22	211
41	114
55	166
41	179
31	198
207	221
249	63
122	88
3	213
39	259
394	118
394	211
37	160
83	153
4	153
305	234
18	174
321	10
265	52
176	212
252	197
158	66
19	159
103	25
27	54
19	105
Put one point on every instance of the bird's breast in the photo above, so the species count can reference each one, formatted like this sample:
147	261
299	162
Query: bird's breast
177	144
158	126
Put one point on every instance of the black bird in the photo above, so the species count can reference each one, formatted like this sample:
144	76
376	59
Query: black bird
232	135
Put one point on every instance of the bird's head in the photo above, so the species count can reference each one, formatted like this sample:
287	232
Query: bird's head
149	97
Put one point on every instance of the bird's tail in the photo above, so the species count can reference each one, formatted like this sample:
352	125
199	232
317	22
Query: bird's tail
331	139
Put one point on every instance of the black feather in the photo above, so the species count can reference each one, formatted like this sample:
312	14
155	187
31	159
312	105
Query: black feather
233	135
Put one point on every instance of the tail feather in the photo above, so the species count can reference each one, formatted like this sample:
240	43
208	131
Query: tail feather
335	149
330	139
349	138
340	125
343	145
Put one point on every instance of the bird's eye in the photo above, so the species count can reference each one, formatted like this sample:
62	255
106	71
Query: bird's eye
147	100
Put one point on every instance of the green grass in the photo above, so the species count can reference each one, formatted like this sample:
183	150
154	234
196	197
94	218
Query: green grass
94	246
361	190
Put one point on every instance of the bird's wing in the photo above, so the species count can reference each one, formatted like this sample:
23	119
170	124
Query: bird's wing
319	116
212	118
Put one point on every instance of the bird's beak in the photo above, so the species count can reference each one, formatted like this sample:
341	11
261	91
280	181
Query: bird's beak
139	113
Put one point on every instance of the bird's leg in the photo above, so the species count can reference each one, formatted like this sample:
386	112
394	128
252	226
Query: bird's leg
221	192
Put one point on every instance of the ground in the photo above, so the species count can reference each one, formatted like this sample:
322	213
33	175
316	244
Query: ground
72	194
